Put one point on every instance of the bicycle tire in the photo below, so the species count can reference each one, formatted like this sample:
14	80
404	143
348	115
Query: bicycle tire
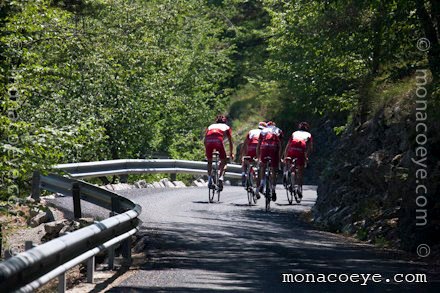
250	195
289	189
214	180
295	188
267	191
254	195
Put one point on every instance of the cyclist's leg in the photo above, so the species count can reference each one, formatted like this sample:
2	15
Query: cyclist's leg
261	176
273	179
209	148
275	154
222	166
243	172
209	167
300	169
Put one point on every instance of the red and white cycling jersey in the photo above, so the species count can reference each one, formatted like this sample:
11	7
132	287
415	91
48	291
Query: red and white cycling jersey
253	136
297	146
252	142
271	134
218	131
301	135
214	139
270	145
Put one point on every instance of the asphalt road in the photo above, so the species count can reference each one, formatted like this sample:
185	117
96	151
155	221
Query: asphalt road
193	246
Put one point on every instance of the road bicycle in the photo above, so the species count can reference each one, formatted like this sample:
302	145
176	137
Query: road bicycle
250	174
267	183
214	186
290	181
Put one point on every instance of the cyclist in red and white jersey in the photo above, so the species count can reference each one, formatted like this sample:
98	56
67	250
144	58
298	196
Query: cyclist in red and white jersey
269	145
249	147
214	136
300	145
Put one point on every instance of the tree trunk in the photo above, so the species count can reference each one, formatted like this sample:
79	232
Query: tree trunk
432	35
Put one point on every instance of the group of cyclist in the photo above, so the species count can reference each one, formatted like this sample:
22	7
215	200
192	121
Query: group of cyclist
261	143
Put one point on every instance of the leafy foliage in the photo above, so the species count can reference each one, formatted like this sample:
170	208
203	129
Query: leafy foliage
108	79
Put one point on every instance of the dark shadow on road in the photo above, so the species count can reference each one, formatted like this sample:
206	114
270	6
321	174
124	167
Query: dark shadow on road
241	205
249	250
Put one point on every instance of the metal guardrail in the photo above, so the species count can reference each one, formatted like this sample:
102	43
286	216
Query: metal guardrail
33	268
132	166
30	269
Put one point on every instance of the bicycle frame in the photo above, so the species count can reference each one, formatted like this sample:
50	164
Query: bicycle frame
290	179
268	181
250	179
215	178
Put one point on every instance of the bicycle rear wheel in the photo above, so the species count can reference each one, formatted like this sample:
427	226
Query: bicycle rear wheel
252	199
295	188
214	185
267	193
218	195
289	189
211	195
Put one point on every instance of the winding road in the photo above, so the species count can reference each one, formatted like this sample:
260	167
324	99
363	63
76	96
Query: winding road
193	246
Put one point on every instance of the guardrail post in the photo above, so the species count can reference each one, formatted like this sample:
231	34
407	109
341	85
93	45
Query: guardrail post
111	258
62	283
76	194
90	269
115	205
36	186
126	249
28	245
173	177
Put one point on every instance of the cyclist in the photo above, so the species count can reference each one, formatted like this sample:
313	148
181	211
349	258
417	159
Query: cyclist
269	145
214	136
300	145
249	148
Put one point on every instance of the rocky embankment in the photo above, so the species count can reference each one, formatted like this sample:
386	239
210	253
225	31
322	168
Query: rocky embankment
368	188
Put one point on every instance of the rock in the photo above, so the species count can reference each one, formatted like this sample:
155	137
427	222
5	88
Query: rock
39	219
158	185
197	183
65	230
202	182
167	183
30	201
34	211
140	184
123	186
53	215
84	222
119	186
179	184
53	228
